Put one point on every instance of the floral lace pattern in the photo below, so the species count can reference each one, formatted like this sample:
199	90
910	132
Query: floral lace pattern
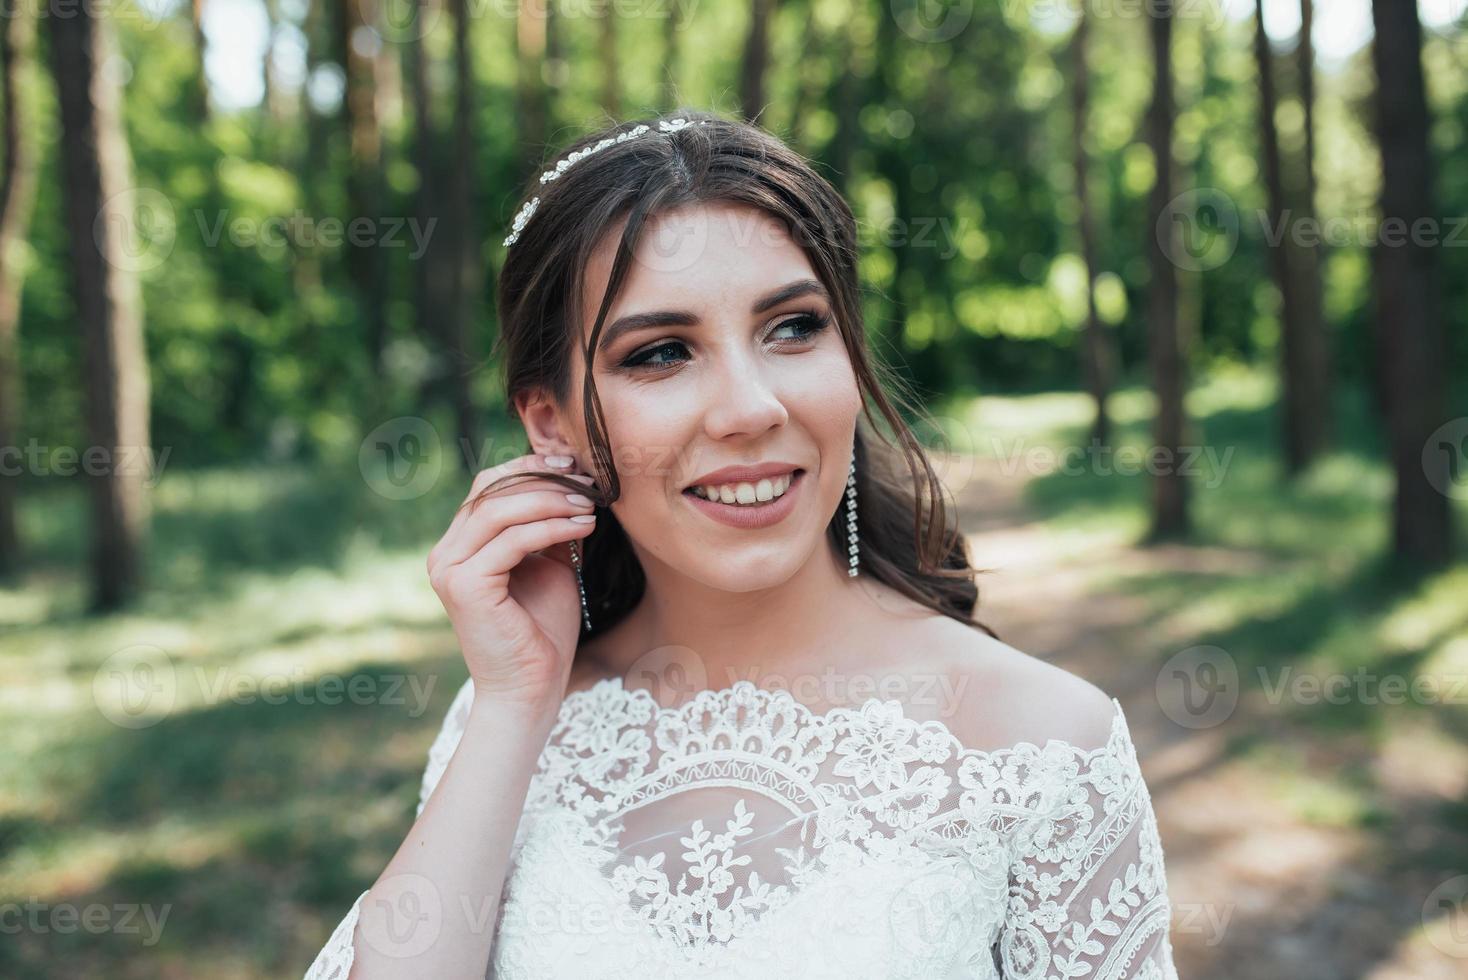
743	835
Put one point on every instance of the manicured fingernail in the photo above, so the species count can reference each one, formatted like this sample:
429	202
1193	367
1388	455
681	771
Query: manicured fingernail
580	500
584	518
560	462
584	478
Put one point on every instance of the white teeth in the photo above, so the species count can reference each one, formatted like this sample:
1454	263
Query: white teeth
747	493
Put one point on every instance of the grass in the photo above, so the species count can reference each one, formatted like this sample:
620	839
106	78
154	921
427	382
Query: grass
1289	578
308	665
251	825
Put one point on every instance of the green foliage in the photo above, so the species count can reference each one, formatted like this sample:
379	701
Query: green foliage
960	174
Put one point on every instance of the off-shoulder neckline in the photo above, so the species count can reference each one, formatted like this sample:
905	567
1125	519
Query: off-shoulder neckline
1118	736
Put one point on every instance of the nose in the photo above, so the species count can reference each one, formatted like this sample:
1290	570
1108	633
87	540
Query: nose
743	399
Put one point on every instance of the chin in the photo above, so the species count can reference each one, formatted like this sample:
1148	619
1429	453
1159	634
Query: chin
747	569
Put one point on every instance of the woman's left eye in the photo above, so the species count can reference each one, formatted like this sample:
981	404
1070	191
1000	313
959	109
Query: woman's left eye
810	324
670	352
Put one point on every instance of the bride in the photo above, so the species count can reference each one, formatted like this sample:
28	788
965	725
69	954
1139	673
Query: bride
719	721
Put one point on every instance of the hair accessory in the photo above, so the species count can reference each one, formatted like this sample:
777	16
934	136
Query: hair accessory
852	548
580	585
664	126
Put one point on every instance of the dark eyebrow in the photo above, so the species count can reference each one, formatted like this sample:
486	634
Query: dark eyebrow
794	290
684	318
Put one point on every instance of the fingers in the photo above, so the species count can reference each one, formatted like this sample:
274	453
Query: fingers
528	463
509	548
451	543
497	514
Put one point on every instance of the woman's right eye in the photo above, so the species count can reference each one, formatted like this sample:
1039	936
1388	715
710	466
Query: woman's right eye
643	358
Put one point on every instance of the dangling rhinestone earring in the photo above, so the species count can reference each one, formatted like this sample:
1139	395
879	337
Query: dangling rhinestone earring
852	548
580	585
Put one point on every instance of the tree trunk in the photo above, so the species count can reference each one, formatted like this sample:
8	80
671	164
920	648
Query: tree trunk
1164	353
1314	341
756	59
1411	347
672	29
312	164
1099	358
810	84
467	260
17	198
611	76
530	98
1296	407
365	257
274	118
848	122
431	279
201	45
96	178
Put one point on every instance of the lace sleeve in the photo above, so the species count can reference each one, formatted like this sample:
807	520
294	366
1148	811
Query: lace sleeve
1088	889
334	962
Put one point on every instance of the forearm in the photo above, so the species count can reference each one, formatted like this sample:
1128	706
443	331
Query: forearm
432	911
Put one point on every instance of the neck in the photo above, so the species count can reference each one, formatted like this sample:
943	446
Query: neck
687	636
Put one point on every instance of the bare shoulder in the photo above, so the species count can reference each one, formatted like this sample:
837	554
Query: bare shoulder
1003	696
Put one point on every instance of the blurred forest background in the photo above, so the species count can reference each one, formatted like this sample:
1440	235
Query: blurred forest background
247	261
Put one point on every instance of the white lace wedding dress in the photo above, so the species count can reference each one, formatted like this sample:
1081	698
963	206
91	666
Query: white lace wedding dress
744	836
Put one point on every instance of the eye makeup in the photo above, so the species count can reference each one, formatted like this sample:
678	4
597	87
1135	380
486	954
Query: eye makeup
809	322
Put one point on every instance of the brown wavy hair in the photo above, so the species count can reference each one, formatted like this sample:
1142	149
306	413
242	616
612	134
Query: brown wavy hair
908	536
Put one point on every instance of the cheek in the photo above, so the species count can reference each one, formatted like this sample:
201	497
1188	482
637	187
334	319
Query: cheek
647	427
823	393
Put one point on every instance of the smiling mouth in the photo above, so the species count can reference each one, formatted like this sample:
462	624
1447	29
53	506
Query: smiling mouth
756	493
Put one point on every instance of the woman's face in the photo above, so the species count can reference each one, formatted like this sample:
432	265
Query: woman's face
731	358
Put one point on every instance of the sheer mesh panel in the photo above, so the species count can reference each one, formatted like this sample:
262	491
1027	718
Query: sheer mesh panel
746	835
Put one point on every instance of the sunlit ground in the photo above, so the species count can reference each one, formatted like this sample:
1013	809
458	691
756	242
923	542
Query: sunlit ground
248	826
1361	784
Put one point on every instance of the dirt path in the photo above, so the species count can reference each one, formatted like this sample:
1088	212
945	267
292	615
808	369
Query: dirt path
1258	892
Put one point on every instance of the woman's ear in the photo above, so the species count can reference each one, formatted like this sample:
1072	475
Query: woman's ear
544	424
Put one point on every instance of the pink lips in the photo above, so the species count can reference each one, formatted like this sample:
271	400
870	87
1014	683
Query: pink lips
751	516
744	474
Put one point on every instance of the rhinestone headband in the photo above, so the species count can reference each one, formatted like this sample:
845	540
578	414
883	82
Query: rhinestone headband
664	126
